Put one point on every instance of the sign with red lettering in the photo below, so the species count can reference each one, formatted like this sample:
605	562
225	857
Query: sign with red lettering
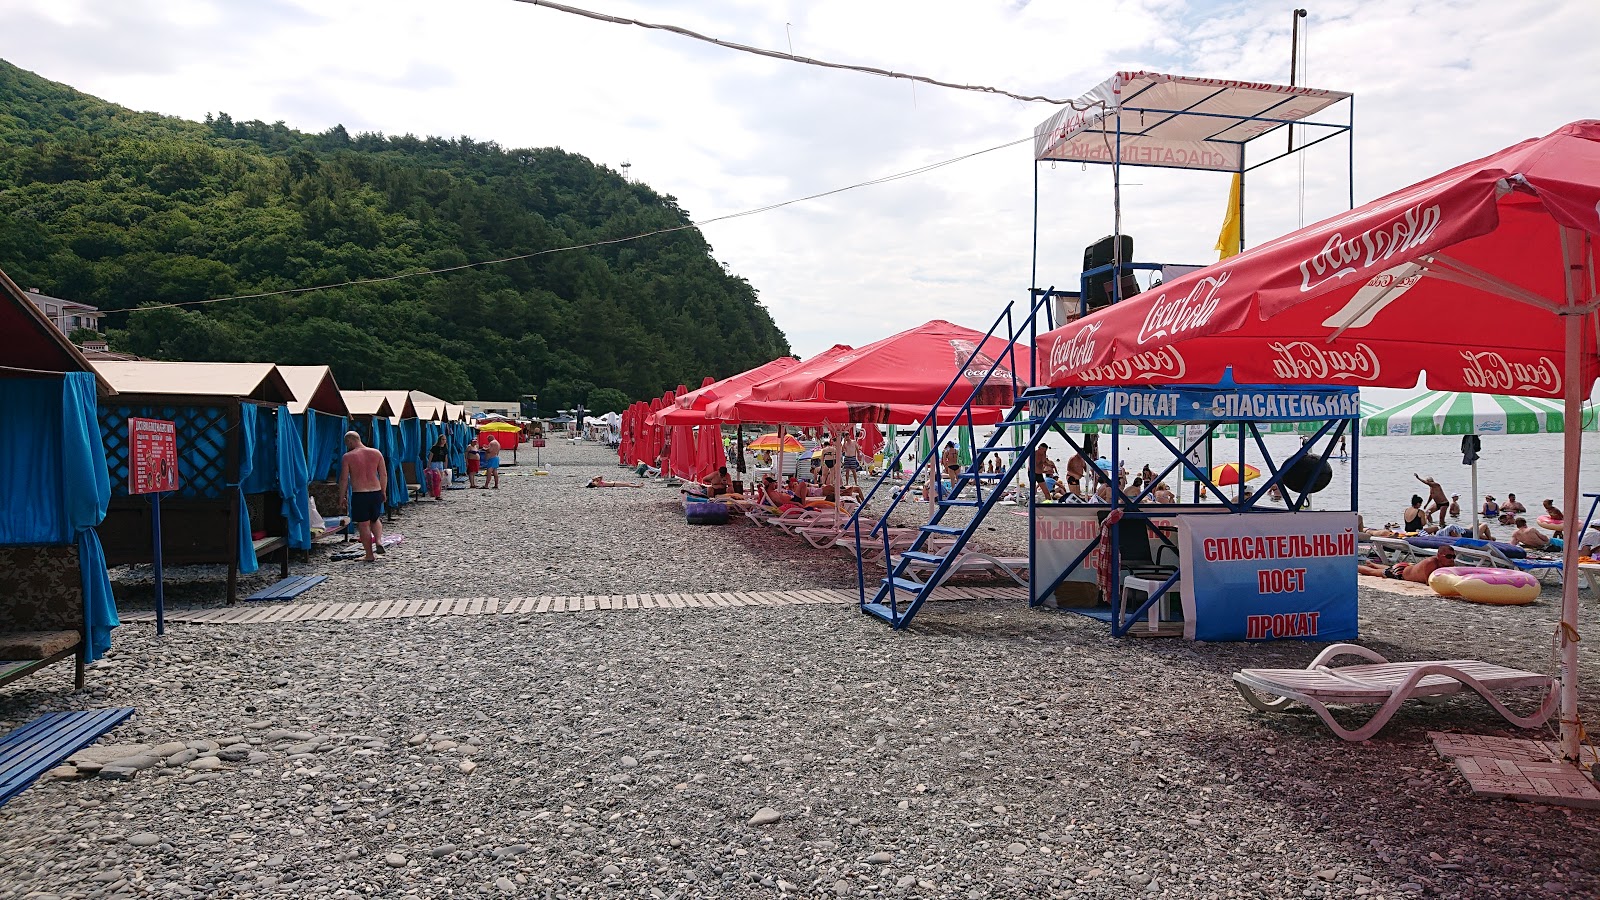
1269	576
152	456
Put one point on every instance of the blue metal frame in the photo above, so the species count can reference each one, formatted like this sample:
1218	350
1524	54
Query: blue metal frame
1331	429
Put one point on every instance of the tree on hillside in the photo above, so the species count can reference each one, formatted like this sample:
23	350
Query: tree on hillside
124	210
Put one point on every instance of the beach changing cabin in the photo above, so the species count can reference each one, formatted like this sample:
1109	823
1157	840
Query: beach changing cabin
242	478
55	596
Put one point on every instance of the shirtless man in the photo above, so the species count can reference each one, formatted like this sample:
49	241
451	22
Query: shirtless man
850	447
1530	537
1417	571
1438	502
1510	509
718	482
1075	470
491	463
364	472
1044	470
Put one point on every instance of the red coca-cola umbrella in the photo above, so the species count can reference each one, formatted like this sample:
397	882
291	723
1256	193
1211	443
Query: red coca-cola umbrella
1482	277
913	367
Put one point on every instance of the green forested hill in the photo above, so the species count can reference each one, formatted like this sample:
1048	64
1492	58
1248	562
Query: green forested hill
120	209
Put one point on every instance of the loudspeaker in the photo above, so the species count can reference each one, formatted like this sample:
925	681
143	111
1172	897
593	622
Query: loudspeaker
1309	474
1097	288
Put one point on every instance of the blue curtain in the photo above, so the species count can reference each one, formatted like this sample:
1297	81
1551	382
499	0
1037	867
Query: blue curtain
50	428
247	447
324	443
394	450
459	436
263	475
293	482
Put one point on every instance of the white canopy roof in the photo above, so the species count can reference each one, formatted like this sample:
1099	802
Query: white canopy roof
1173	121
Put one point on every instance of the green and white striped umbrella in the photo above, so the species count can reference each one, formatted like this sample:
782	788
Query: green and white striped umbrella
1450	412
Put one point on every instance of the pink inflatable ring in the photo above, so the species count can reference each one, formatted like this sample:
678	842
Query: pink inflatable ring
1549	524
1500	587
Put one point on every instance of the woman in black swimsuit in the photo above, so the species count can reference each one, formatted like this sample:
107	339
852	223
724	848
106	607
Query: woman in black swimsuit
1411	517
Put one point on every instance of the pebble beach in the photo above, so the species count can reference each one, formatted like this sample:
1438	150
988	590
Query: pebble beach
989	751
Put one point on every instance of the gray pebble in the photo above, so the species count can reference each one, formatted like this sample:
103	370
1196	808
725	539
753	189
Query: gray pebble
766	815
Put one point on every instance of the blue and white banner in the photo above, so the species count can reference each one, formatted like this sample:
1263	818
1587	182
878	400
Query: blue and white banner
1269	576
1099	404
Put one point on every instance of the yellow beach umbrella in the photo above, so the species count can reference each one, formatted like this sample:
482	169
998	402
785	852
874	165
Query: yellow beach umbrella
769	441
500	428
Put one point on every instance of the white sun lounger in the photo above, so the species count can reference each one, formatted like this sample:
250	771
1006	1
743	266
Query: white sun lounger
1388	685
976	562
1398	550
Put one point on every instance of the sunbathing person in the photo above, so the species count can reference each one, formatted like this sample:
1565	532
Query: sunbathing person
1417	571
1532	538
775	496
600	481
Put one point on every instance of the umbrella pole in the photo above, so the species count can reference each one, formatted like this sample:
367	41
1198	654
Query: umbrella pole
1475	503
1578	275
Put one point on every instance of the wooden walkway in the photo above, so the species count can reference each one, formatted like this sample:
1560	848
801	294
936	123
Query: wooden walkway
265	612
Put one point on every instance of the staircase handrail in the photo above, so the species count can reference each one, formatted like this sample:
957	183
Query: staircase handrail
1010	350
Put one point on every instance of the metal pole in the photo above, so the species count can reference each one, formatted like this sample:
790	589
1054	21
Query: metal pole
1294	61
1116	215
1474	497
1577	274
155	559
1241	198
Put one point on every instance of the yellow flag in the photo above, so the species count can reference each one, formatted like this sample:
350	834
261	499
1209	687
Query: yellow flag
1229	238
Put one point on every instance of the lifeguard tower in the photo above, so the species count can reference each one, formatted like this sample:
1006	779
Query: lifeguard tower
1123	558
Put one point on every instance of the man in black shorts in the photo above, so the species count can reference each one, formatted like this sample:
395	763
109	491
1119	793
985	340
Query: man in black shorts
368	478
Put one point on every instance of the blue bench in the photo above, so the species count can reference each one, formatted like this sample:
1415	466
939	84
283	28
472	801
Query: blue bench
46	742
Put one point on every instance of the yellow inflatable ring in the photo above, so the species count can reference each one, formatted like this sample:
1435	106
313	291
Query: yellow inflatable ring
1499	587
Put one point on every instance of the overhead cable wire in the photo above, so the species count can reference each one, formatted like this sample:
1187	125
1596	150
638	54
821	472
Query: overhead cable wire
356	282
806	60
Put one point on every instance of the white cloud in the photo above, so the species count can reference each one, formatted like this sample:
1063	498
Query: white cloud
1436	83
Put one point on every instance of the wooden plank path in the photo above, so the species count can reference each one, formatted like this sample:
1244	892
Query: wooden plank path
267	612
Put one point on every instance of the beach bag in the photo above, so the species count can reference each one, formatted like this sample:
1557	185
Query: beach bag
711	513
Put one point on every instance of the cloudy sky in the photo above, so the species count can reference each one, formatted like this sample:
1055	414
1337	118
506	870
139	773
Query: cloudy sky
1436	83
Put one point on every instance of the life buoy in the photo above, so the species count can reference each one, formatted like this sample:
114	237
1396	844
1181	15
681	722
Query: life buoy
1498	587
1549	524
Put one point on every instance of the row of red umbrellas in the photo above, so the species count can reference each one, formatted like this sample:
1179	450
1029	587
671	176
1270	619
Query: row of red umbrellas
894	381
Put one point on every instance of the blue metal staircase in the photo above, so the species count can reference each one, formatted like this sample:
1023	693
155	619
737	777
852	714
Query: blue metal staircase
897	596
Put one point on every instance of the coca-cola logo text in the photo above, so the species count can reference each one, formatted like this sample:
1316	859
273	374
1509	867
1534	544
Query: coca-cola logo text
1170	318
1490	370
1340	257
1164	363
1305	361
1075	352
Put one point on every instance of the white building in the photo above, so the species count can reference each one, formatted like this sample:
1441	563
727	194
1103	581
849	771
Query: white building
67	315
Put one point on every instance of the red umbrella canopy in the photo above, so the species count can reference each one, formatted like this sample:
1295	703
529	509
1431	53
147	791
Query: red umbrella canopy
871	440
713	390
1484	275
1464	274
815	413
913	367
